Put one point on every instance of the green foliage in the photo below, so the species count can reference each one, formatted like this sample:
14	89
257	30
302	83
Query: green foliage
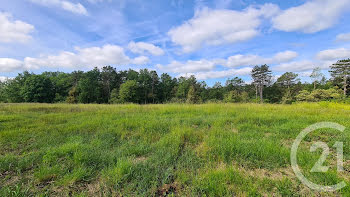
89	87
236	97
193	96
103	86
72	95
319	95
38	89
128	92
261	77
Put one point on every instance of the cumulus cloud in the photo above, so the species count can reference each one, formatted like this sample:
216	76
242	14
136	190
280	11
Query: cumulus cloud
14	31
204	65
251	60
311	17
82	58
3	79
302	66
187	67
219	74
142	47
334	54
296	66
75	8
9	65
215	27
343	37
93	57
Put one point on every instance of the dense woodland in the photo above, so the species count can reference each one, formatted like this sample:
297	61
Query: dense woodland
107	85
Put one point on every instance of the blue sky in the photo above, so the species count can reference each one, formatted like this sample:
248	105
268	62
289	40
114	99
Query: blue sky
214	40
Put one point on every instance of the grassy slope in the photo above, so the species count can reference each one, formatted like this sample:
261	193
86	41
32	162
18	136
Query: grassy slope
152	150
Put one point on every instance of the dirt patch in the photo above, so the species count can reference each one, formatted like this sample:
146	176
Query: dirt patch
167	189
139	160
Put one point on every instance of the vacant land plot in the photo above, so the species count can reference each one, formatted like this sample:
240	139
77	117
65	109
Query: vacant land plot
159	150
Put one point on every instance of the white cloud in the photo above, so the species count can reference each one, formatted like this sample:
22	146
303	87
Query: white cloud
82	58
189	66
14	31
220	74
302	66
311	17
92	57
334	54
233	61
3	79
76	8
98	1
142	47
251	60
343	37
215	27
9	65
297	66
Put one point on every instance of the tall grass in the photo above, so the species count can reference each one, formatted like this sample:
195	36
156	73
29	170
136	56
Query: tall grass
160	150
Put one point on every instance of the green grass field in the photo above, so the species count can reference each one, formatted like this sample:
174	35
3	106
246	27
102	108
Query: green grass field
160	150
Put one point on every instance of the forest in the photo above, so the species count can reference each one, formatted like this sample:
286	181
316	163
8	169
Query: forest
107	85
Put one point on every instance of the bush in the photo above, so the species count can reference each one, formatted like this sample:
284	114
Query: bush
319	95
236	97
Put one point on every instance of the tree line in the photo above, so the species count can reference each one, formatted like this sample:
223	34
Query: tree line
107	85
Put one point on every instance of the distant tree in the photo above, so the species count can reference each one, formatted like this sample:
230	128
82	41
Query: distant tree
108	81
216	92
287	80
317	76
145	83
261	77
114	98
167	85
154	86
132	75
128	92
61	83
89	87
2	92
38	89
341	69
184	86
73	96
14	88
234	84
319	95
193	96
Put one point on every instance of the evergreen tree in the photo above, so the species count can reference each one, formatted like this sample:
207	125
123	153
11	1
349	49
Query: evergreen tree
261	77
89	87
341	69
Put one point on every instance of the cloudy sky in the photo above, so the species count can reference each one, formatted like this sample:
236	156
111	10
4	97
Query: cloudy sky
214	40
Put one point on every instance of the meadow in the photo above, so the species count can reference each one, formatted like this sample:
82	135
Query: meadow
165	150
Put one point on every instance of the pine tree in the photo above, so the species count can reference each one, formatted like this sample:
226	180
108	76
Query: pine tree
341	69
261	77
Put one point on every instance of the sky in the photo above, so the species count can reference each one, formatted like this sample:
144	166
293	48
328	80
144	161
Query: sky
213	40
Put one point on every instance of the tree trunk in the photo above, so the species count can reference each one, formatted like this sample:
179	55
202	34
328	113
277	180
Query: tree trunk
256	92
261	93
345	84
